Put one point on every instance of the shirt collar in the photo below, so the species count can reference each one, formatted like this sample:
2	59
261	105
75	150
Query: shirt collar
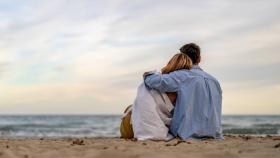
197	67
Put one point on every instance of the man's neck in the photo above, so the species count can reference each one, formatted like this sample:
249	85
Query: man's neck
196	65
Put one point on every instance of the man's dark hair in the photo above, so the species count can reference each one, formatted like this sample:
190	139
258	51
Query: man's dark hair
193	51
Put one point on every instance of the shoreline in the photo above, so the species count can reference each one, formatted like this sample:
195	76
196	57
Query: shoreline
232	146
118	137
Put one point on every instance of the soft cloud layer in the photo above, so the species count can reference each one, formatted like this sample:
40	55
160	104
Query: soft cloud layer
68	56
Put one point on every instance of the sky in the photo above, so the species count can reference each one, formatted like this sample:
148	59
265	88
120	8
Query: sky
88	56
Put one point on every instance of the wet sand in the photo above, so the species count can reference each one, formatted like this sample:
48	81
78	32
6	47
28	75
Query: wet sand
232	146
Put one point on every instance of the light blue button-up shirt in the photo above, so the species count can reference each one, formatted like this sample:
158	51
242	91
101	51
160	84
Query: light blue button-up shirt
197	113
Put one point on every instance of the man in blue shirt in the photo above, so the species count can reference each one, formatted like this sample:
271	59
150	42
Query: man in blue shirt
197	112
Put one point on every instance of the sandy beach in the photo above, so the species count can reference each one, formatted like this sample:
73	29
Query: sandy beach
232	146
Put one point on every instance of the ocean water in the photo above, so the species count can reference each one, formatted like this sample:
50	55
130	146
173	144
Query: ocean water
56	126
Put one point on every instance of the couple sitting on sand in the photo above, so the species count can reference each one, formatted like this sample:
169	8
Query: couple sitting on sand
182	101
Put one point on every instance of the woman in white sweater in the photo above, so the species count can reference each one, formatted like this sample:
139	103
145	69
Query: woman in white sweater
150	115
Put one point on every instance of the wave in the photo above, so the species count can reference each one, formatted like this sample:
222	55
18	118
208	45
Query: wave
108	126
267	125
254	131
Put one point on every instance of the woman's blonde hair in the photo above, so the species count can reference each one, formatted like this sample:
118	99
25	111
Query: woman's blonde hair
177	62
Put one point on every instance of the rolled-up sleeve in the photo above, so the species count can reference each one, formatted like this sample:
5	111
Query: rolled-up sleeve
162	82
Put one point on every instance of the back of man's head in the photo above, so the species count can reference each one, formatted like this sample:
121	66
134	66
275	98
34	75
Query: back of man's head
193	51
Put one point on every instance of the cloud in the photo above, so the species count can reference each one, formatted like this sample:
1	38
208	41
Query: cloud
98	50
3	67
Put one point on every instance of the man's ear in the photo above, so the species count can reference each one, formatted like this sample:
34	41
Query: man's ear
199	60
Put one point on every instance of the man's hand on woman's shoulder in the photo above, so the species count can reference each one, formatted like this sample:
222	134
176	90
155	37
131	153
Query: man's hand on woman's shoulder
149	73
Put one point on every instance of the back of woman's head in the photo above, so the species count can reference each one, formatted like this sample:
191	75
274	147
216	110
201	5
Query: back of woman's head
178	61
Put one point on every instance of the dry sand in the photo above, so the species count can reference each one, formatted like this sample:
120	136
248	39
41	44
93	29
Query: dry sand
232	146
